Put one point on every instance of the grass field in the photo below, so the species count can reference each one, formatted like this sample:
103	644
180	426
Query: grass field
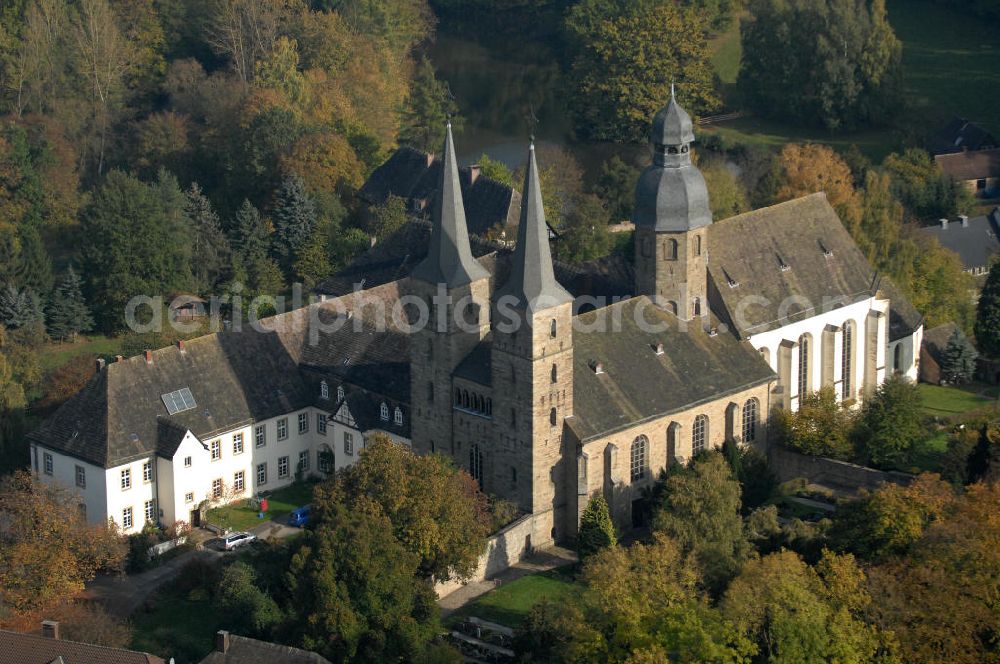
178	626
55	355
239	515
510	603
949	60
947	401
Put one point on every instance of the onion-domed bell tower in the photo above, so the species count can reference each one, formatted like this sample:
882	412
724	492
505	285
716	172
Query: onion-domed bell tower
671	219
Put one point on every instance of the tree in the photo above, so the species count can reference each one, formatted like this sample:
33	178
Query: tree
639	604
940	600
890	422
210	249
495	169
34	268
858	81
245	32
49	548
68	314
136	242
616	188
797	613
959	362
435	510
725	193
312	261
561	178
628	54
810	167
881	222
988	315
428	106
700	510
597	531
20	309
251	233
923	188
280	71
388	217
888	521
584	235
820	427
294	216
248	609
352	595
327	163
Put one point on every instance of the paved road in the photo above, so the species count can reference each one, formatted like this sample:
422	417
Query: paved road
123	595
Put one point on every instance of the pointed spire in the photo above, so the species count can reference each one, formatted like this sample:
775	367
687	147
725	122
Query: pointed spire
449	257
532	280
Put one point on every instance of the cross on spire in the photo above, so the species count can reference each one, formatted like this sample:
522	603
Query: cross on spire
532	121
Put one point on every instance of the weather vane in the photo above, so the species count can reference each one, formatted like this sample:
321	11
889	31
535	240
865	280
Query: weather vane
532	121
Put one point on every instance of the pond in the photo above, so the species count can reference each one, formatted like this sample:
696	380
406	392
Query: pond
499	85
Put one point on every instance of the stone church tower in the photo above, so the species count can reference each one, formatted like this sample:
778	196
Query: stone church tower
455	288
532	364
671	218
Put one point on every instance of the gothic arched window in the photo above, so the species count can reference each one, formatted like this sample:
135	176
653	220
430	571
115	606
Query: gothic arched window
670	250
638	458
476	464
847	360
699	434
804	350
553	328
555	373
458	397
750	410
696	305
552	417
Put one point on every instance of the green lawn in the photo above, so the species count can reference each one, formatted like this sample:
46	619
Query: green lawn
926	455
179	625
239	515
726	52
55	355
947	401
510	603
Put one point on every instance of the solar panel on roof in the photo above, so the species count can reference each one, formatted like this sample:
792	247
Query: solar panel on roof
178	401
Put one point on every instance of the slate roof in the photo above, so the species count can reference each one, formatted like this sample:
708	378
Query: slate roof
449	259
671	125
904	319
235	378
17	648
796	249
243	650
637	384
975	243
958	135
935	340
415	176
532	282
971	165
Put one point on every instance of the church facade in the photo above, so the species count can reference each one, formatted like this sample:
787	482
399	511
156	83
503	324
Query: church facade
548	383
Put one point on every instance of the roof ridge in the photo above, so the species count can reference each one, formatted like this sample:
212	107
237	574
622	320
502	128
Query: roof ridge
45	639
798	200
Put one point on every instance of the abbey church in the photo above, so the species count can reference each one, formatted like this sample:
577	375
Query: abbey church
549	383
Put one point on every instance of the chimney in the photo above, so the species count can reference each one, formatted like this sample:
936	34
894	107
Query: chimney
222	641
100	364
964	218
149	356
50	629
944	223
180	345
473	174
599	367
119	358
659	348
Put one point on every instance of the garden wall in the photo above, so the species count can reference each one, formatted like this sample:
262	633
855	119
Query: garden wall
837	475
507	547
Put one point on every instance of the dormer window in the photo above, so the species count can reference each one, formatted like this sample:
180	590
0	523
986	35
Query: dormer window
340	393
324	390
398	417
384	412
672	149
684	149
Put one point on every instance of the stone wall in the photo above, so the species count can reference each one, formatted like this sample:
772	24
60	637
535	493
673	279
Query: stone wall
837	475
504	549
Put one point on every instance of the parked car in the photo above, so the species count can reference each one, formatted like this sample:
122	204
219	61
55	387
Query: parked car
234	540
299	516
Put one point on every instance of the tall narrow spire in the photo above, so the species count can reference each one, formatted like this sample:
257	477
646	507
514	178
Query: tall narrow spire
532	280
449	258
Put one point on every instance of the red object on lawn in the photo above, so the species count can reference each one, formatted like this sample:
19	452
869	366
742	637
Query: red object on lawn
263	504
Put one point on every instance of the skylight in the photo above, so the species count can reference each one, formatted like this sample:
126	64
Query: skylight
178	401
